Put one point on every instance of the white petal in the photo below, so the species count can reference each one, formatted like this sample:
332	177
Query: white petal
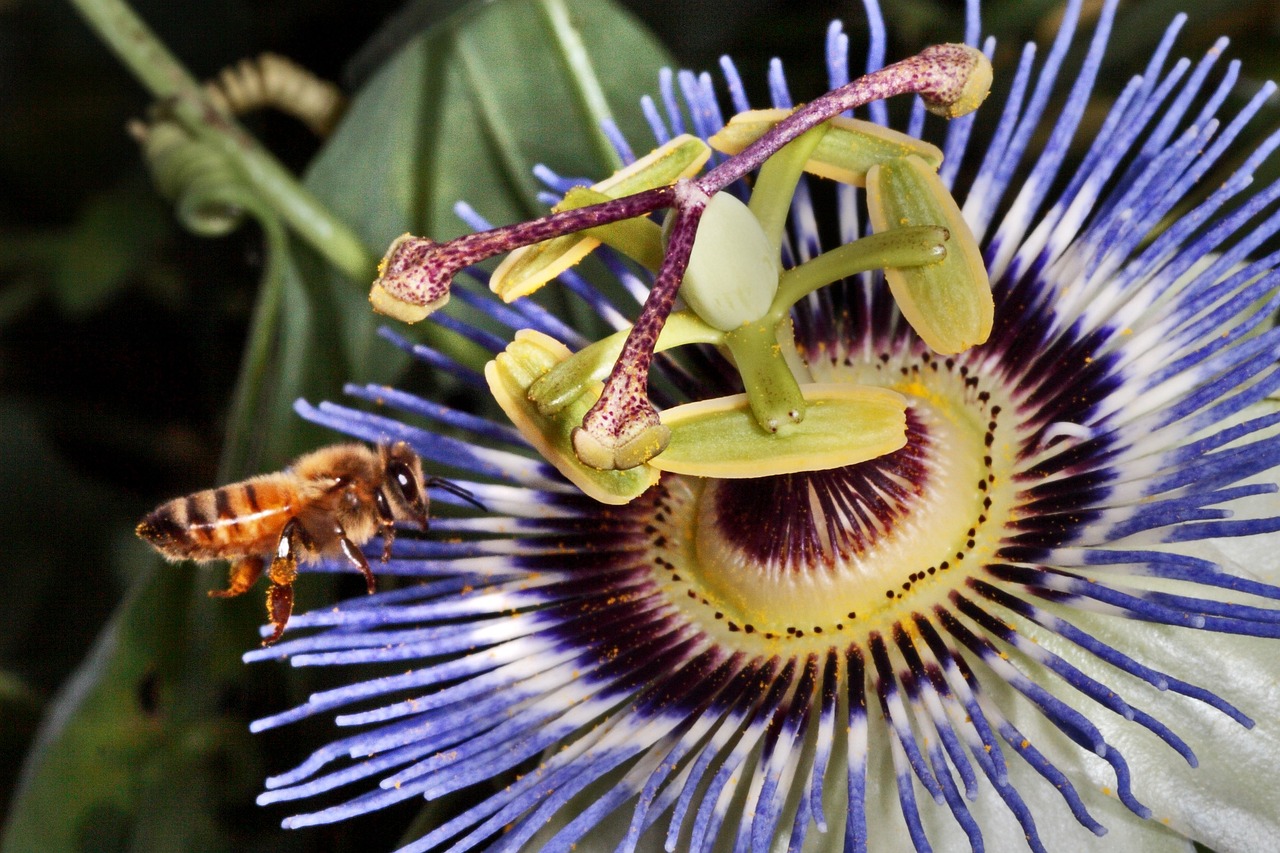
1057	827
1251	556
1229	802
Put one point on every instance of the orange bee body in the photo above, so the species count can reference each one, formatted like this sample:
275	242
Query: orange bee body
325	505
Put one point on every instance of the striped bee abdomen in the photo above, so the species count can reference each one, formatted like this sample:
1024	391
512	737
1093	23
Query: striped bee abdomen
240	519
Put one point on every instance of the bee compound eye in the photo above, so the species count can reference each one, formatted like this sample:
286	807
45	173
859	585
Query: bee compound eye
405	481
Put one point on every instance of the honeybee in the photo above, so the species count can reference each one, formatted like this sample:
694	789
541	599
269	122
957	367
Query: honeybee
326	504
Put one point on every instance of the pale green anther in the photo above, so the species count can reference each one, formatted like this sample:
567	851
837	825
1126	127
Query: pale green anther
639	239
912	246
775	186
527	269
772	391
733	271
682	157
846	424
848	149
949	303
565	382
528	358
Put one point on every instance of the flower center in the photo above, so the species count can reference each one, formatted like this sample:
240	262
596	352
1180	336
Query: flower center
800	557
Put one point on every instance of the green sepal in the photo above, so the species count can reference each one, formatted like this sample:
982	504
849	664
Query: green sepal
948	303
528	358
846	152
527	269
844	424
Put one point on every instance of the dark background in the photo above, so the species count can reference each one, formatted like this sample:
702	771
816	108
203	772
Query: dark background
121	334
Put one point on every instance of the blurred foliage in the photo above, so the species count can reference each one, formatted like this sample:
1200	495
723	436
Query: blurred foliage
126	374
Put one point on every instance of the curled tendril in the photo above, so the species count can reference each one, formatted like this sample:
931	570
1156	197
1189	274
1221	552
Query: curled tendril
271	81
205	167
209	193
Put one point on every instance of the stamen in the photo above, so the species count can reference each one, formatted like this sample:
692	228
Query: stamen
953	80
622	429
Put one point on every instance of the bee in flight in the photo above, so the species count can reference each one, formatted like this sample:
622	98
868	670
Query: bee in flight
325	505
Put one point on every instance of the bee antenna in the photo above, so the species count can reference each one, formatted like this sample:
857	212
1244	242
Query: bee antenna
454	489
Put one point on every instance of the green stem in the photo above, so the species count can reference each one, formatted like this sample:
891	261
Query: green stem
244	421
775	186
590	93
152	63
913	246
772	390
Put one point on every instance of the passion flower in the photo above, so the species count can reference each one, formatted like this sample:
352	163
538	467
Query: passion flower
1049	614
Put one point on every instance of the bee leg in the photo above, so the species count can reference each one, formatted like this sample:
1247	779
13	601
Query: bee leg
279	608
283	572
356	558
386	523
243	575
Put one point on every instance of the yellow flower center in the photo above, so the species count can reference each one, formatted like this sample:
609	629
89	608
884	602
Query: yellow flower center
829	556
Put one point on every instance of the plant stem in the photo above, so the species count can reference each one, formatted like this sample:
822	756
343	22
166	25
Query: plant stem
152	63
568	41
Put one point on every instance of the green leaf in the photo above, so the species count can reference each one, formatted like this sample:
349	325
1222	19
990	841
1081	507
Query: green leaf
286	358
114	233
464	111
132	754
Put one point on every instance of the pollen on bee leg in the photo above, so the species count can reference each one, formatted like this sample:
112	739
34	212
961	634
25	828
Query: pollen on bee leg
242	575
283	572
